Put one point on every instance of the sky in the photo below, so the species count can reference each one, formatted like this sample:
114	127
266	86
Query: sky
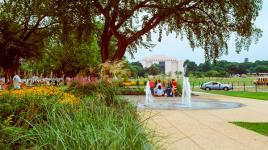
172	46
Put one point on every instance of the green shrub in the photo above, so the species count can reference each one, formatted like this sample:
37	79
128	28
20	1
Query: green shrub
178	91
144	82
103	91
132	91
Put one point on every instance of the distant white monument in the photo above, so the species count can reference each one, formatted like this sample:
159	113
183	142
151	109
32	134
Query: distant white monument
171	64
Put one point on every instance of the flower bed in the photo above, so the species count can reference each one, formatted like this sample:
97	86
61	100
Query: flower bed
133	83
45	91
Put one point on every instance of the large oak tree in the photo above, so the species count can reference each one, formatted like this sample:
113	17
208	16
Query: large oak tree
208	24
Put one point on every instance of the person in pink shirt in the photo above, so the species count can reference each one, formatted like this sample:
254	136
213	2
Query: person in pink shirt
151	83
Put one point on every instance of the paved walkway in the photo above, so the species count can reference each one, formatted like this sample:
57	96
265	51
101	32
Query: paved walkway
210	129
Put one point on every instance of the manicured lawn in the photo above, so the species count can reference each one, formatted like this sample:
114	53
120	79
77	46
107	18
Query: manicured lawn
253	95
261	128
235	81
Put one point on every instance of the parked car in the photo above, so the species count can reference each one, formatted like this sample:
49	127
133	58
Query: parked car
216	86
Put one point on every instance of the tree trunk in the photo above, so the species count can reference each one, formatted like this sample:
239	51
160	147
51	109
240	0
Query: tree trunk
6	75
120	52
105	42
11	71
104	51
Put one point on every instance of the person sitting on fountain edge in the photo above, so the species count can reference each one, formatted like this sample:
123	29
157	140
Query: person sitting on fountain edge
174	86
159	91
151	83
168	89
158	83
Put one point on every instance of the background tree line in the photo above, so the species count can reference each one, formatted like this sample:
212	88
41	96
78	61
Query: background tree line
220	68
225	68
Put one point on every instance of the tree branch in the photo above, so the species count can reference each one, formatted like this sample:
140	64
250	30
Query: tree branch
109	5
125	17
26	23
51	24
193	21
115	11
153	22
185	2
192	6
34	28
99	7
208	15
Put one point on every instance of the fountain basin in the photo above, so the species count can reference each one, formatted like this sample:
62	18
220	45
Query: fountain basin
196	105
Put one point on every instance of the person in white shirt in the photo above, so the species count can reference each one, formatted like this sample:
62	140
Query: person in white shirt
1	85
16	82
158	84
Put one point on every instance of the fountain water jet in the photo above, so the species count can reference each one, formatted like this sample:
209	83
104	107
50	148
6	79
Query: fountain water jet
186	93
148	96
186	90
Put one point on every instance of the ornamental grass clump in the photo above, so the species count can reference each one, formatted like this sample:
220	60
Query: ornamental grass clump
19	114
103	92
99	128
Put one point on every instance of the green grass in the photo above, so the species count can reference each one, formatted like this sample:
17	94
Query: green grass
253	95
235	81
98	127
261	128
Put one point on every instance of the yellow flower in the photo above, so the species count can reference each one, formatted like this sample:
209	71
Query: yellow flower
45	90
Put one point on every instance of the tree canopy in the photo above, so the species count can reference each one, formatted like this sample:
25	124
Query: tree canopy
154	69
44	31
23	27
69	58
122	26
206	24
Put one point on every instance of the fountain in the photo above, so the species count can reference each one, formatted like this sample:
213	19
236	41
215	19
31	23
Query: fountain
186	90
148	94
186	93
186	103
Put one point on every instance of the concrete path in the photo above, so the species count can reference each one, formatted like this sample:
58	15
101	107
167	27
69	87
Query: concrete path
210	129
